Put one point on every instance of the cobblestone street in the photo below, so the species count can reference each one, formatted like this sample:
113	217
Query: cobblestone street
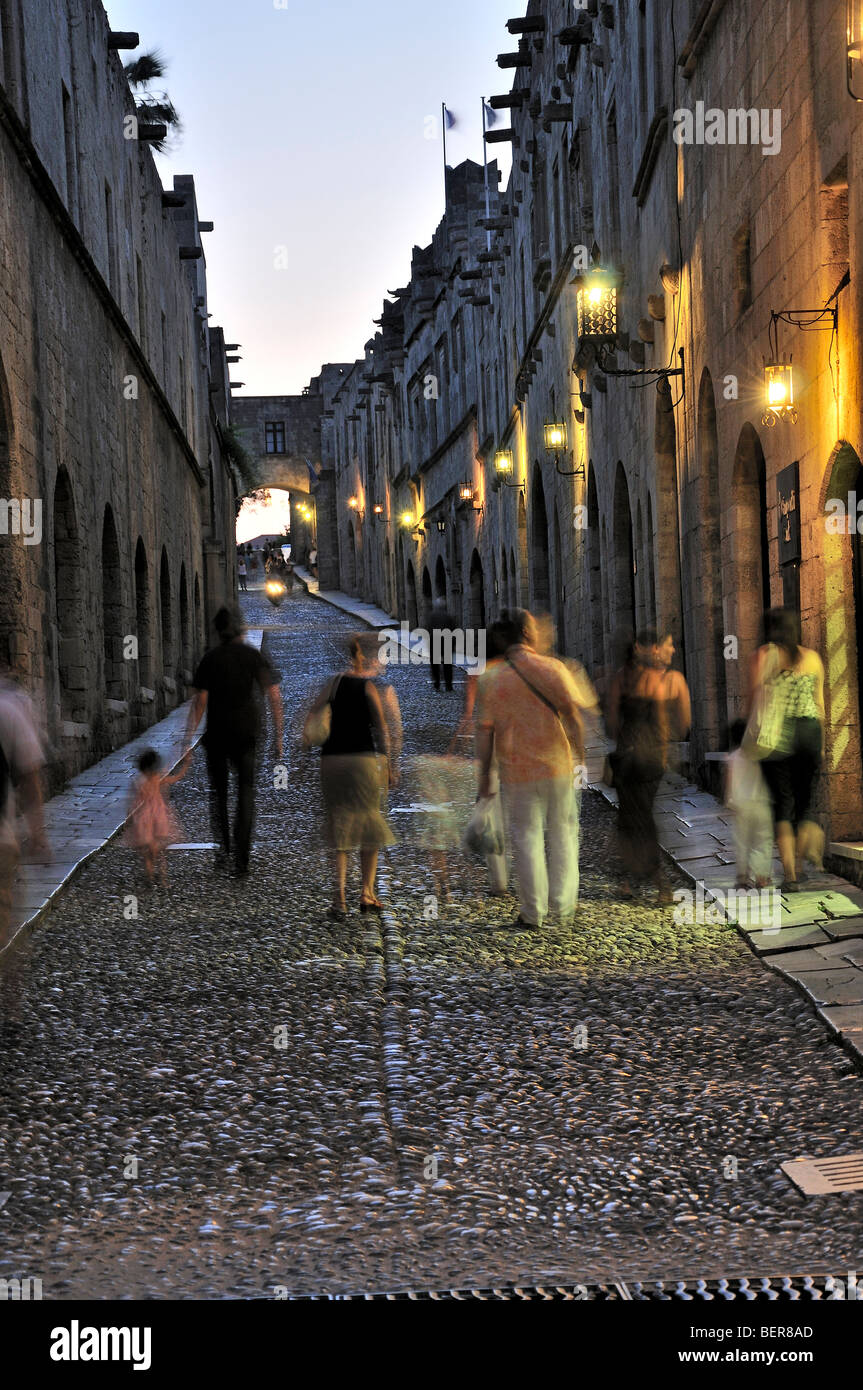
434	1120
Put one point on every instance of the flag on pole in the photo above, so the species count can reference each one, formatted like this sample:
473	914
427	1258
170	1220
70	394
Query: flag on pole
449	118
491	116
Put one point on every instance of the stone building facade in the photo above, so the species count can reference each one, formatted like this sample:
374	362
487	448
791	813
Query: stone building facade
114	396
707	155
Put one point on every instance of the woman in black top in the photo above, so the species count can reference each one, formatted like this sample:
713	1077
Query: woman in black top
355	767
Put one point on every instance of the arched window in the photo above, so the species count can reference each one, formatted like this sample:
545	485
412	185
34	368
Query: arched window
540	589
166	614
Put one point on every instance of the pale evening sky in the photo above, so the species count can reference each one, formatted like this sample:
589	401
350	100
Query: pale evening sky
304	127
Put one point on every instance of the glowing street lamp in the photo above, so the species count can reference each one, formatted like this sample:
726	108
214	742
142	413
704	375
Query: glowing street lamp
555	436
596	307
778	393
503	463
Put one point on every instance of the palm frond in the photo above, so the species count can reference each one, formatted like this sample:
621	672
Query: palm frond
145	69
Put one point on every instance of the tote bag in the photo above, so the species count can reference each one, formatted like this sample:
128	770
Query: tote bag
767	730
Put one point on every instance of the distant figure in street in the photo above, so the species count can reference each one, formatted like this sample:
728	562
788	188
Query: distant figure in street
153	822
476	688
791	677
20	762
288	574
637	719
747	796
530	720
438	621
356	767
678	704
229	683
313	562
242	574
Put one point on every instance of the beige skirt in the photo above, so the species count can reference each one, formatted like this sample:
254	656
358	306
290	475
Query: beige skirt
353	787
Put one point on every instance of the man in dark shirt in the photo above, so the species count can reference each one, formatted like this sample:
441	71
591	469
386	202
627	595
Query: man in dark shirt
228	685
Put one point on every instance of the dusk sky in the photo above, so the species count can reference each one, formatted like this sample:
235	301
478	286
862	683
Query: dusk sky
305	129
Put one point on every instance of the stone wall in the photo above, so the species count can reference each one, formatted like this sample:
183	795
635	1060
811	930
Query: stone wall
106	419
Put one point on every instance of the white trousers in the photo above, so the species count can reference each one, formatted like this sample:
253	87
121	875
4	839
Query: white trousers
543	823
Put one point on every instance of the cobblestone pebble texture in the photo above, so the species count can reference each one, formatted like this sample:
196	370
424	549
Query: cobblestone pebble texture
454	1106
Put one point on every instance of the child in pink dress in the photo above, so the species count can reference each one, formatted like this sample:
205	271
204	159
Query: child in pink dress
153	823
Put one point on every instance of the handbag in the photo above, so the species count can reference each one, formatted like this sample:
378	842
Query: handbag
483	832
767	728
319	722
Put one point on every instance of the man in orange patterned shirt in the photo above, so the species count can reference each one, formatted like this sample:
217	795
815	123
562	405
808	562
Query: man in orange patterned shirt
530	720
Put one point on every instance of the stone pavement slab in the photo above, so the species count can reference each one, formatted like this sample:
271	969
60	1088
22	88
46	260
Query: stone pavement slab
84	817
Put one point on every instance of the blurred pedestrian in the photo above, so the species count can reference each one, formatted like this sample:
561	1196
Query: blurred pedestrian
441	627
747	796
313	562
229	684
356	766
637	720
242	574
530	720
21	760
678	704
477	685
153	822
785	732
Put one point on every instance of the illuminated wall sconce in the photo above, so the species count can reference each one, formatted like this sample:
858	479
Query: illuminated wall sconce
503	463
355	506
555	443
441	524
778	393
409	523
378	512
554	432
596	306
468	495
854	47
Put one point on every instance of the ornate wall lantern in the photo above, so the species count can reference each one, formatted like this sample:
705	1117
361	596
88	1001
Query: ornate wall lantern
378	512
503	463
554	432
596	306
778	393
441	524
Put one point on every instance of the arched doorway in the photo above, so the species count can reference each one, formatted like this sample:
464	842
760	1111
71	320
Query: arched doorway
413	616
594	566
669	605
199	641
624	576
559	588
513	579
477	593
440	578
184	658
142	616
112	611
842	640
521	587
71	670
704	553
746	577
11	610
427	592
540	585
166	615
650	544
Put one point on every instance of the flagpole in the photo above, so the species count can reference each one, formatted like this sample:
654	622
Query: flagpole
485	175
443	129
